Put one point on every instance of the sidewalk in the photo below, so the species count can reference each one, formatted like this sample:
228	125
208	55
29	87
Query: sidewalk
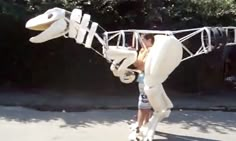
82	101
21	124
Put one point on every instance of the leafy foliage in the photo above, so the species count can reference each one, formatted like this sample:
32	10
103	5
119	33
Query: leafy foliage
206	12
136	13
59	62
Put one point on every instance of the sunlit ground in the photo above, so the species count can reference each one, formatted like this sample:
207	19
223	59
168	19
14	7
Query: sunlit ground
20	124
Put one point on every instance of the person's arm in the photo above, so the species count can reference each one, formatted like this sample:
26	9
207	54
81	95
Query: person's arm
140	62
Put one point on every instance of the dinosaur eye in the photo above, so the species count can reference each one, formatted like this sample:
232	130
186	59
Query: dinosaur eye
50	16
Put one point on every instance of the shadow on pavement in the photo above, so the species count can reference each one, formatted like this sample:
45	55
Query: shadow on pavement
201	121
71	119
173	137
204	121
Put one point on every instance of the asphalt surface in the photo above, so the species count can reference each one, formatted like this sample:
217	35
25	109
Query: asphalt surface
84	101
100	116
21	124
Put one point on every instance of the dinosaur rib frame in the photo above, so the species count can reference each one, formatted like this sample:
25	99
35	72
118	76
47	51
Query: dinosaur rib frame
210	37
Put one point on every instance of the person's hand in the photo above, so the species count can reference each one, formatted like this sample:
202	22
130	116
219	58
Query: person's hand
131	48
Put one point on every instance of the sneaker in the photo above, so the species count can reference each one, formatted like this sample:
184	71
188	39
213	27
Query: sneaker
136	135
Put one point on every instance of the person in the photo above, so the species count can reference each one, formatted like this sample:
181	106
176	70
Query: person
144	107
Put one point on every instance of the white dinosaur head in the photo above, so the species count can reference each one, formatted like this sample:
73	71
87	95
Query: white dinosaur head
53	24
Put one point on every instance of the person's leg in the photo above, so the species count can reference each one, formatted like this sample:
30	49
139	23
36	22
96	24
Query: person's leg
147	115
140	118
143	117
142	110
143	114
135	129
144	107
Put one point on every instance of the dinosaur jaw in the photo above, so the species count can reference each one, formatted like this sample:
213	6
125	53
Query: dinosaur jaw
55	30
39	23
52	23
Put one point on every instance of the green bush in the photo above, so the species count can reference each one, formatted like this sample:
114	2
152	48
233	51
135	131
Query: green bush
170	12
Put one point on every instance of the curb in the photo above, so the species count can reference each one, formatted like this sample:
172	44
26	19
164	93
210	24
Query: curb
83	108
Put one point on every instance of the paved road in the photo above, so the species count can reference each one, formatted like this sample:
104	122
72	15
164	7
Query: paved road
20	124
82	101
